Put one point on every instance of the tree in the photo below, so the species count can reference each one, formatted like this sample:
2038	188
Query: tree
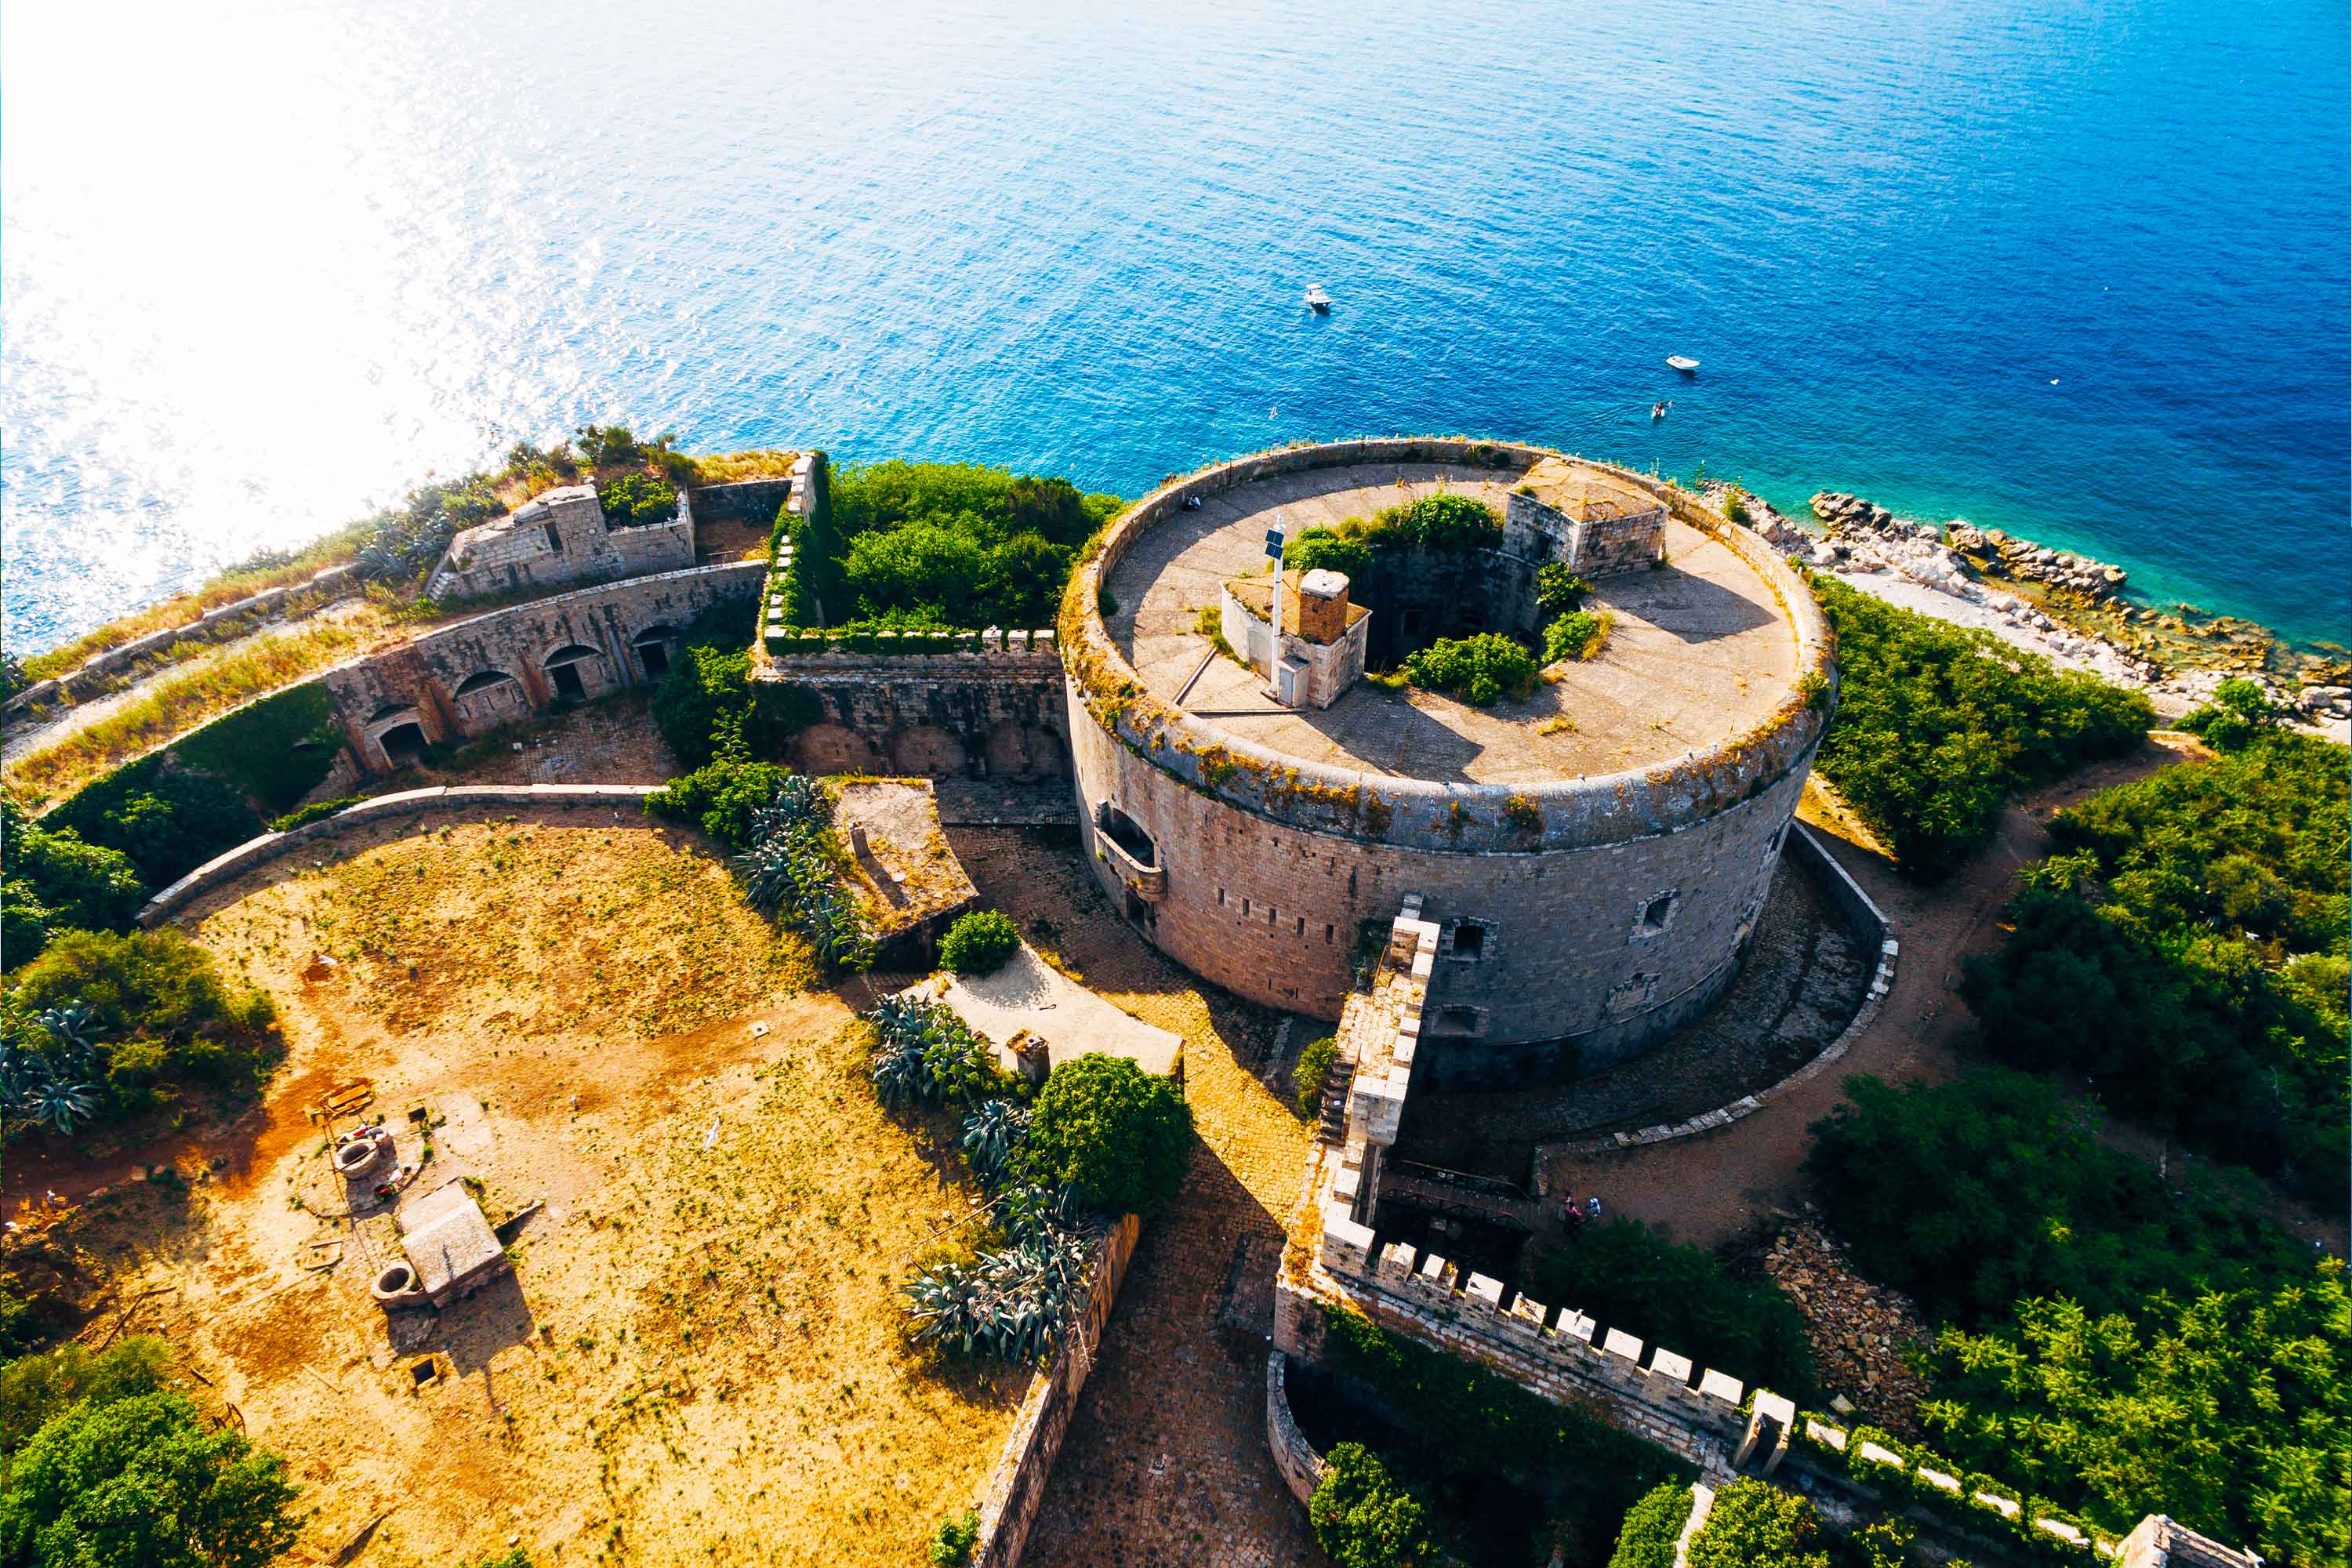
1362	1518
816	557
1118	1134
2232	1411
142	1482
1755	1524
1652	1528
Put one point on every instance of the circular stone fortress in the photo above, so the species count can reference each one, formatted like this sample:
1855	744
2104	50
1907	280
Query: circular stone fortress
1597	852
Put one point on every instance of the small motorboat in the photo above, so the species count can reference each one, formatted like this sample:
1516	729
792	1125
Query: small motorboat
1683	363
1317	300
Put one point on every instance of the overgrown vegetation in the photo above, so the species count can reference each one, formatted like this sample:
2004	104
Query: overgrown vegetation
102	1026
1938	725
1469	1425
1313	1073
952	1543
168	820
633	500
1578	633
1444	522
2116	1346
55	881
794	867
979	942
2186	950
1628	1276
1652	1527
1363	1519
937	545
1118	1135
107	1462
1478	669
1755	1524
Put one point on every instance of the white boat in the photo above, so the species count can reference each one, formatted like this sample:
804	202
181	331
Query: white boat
1317	300
1683	363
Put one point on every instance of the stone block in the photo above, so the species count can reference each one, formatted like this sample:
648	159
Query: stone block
1621	1343
1576	1325
1489	1293
1713	1385
1666	1363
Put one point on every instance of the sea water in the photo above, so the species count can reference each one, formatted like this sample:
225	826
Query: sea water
2076	269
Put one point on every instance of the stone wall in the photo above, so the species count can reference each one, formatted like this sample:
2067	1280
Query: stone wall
481	799
1294	1455
1017	1486
231	619
996	714
466	678
1568	977
559	537
751	501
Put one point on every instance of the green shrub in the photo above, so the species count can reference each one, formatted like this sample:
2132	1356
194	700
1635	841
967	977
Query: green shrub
945	545
168	819
2110	1343
1652	1528
277	750
36	1387
1576	635
1443	522
317	811
1362	1518
1322	549
704	691
1313	1073
55	880
144	1480
979	942
2185	951
1478	669
1558	589
1631	1277
1469	1422
632	500
1119	1135
1755	1524
953	1541
163	1013
722	799
1734	504
1938	725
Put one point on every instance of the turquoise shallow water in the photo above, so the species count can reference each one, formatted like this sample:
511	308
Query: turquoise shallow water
2073	270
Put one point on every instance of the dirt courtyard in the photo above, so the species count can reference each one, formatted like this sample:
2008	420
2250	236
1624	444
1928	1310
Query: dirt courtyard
700	1356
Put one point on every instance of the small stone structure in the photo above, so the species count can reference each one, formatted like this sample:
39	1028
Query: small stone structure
1599	522
450	1244
557	537
1321	650
909	886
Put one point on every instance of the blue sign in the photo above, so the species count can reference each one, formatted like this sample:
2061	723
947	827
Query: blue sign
1274	543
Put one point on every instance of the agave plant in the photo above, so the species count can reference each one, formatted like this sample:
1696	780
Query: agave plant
789	867
901	1019
945	1302
991	1134
72	1026
58	1104
899	1073
47	1087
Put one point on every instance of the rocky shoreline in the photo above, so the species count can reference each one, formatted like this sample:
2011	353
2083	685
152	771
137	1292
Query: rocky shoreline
2069	608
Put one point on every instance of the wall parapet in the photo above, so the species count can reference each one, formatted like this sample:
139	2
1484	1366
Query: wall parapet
227	867
1452	816
1302	1468
1017	1486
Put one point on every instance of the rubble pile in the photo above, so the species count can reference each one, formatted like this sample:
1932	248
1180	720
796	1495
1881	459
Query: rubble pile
1860	1333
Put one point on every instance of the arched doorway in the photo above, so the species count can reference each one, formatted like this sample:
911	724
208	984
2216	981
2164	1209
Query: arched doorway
654	647
575	672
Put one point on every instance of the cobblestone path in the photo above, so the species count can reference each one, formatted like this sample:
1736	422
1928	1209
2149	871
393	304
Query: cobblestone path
1166	1461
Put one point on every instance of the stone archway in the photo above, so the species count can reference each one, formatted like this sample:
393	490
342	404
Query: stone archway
1026	753
832	749
925	751
575	672
486	699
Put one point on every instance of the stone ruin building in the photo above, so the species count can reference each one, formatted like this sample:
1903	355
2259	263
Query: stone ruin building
558	537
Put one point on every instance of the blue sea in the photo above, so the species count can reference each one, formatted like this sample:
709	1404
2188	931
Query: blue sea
2073	270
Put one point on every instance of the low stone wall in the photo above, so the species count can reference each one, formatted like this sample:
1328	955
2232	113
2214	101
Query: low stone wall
76	683
224	869
1294	1455
1018	1485
997	713
1853	909
749	501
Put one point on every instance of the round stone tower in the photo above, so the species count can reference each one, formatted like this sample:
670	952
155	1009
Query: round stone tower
1596	851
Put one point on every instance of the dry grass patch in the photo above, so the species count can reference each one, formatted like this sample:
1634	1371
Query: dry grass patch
702	1356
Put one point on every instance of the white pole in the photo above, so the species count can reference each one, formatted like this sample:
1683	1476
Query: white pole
1274	643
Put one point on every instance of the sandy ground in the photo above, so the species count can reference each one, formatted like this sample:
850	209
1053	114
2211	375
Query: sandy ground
700	1356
